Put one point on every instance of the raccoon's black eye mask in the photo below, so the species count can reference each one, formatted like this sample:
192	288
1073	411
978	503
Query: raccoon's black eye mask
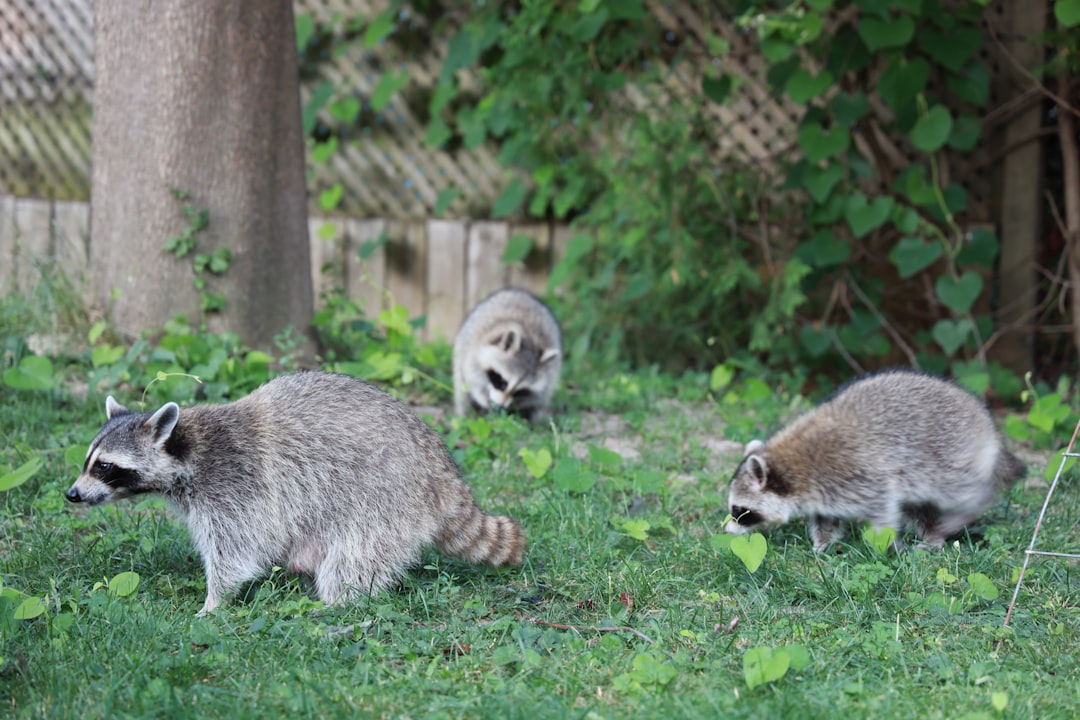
497	381
745	517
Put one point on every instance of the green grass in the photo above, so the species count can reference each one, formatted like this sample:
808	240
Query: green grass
887	635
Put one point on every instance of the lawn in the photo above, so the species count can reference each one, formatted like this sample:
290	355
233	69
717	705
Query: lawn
629	605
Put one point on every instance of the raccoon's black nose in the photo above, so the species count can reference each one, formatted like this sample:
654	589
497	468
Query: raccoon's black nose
73	495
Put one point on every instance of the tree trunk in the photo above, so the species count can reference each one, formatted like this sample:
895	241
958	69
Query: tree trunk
200	97
1070	164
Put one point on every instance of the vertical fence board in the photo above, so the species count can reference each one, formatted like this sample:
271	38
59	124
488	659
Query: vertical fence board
406	265
486	272
446	277
7	245
327	256
33	240
365	277
560	239
532	272
71	243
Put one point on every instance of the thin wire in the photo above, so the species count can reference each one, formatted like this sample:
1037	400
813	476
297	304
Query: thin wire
1034	536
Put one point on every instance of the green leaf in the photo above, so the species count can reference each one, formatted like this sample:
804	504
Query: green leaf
819	182
1000	699
329	199
323	151
980	248
379	28
982	586
21	474
817	342
864	217
446	199
953	47
721	377
124	584
763	665
587	27
803	87
517	248
950	334
1067	12
30	608
823	250
318	99
650	671
389	84
636	528
848	109
913	254
716	89
880	540
965	133
569	476
345	110
879	34
972	83
959	294
819	144
750	549
32	373
800	656
932	130
538	462
902	80
305	28
510	200
604	457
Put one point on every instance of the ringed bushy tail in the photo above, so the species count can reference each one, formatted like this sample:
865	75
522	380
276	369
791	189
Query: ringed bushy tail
470	534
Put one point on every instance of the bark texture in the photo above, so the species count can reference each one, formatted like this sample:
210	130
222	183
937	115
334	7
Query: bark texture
201	96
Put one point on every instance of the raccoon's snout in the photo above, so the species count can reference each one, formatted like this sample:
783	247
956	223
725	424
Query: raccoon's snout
744	516
73	495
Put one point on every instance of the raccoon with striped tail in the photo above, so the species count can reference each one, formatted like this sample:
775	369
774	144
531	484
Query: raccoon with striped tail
317	472
508	356
896	449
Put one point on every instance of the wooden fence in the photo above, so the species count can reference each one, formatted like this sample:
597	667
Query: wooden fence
434	268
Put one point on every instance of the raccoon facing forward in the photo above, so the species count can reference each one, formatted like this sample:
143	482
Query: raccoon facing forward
508	355
897	449
317	472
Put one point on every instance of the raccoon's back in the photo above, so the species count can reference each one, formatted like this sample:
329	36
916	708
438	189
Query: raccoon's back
513	305
915	428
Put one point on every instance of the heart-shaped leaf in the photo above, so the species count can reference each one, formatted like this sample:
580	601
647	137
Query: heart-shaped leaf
982	586
913	254
880	540
518	248
878	33
819	182
124	584
21	474
823	250
848	109
569	476
538	462
863	217
1067	12
819	144
959	294
30	608
764	665
803	87
33	373
750	549
950	334
932	130
980	248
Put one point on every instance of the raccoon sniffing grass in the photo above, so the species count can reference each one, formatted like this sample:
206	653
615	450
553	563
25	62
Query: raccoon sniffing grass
317	472
897	449
508	355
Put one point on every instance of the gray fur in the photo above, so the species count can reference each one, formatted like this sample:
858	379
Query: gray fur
897	448
513	339
317	472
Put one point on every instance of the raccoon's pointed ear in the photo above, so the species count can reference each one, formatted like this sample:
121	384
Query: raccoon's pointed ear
113	408
549	354
509	340
162	422
752	447
758	470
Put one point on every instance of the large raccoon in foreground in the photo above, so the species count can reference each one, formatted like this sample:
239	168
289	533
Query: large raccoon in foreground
897	448
317	472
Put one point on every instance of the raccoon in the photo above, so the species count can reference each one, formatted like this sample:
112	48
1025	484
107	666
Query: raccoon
897	449
508	355
317	472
